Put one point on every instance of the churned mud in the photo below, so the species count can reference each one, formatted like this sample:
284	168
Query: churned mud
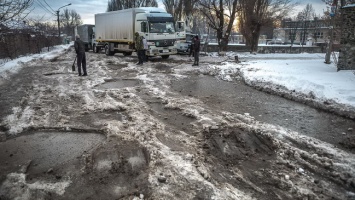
164	130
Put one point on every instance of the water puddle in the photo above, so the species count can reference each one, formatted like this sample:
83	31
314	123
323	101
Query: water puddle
118	83
239	98
171	117
45	150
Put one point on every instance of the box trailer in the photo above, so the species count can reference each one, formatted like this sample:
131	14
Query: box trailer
114	31
86	33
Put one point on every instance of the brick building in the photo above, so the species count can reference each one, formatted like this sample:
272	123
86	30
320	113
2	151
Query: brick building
347	41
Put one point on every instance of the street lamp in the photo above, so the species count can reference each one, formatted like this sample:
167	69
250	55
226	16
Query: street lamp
58	18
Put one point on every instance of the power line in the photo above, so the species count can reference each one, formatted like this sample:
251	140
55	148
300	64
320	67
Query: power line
49	5
44	7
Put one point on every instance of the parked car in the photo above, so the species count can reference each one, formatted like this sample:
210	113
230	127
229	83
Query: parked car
183	47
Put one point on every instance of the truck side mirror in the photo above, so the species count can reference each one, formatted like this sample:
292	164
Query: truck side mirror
144	27
180	26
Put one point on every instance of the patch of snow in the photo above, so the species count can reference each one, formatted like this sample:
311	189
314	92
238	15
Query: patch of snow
14	65
20	119
16	187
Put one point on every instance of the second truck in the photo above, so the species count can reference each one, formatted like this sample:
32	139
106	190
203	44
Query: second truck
86	33
114	31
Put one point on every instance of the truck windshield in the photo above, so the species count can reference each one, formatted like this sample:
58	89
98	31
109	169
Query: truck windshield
161	27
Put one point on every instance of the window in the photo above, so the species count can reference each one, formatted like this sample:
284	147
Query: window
292	36
319	35
161	27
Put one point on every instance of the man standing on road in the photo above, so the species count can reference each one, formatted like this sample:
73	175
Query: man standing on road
196	50
191	47
138	40
80	55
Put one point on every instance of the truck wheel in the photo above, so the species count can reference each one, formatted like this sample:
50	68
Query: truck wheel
127	53
107	51
165	56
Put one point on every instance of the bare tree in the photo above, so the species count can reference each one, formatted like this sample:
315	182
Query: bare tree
305	17
220	15
125	4
70	19
14	9
255	14
175	8
294	26
308	12
181	9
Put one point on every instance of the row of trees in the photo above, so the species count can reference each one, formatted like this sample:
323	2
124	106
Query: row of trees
221	15
20	35
15	12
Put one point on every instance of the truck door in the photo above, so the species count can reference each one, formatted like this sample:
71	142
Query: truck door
144	27
180	30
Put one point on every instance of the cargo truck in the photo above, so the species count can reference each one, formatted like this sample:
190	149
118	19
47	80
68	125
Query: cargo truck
114	31
86	33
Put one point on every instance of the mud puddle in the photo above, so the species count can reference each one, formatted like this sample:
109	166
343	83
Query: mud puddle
238	98
67	166
237	155
171	117
45	150
118	83
118	169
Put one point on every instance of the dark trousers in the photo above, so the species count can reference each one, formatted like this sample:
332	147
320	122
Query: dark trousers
141	56
197	57
81	62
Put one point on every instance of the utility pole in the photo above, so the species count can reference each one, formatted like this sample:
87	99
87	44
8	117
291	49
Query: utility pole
58	24
330	44
58	18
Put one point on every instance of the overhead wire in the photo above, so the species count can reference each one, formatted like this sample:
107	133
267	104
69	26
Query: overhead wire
49	5
44	7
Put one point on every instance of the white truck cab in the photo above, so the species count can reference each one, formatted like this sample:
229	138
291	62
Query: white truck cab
114	31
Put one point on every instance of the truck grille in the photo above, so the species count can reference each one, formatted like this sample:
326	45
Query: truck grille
164	43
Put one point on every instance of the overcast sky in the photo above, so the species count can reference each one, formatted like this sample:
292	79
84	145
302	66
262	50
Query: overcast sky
88	8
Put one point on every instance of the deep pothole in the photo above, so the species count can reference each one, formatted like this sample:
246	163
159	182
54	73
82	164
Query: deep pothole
118	83
45	150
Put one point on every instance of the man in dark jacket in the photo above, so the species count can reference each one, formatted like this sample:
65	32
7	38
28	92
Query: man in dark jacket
191	47
196	50
80	55
138	40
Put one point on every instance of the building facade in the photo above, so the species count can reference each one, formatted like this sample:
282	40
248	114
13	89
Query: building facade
304	32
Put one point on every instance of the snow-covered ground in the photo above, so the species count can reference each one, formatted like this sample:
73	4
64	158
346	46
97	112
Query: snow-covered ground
303	75
13	66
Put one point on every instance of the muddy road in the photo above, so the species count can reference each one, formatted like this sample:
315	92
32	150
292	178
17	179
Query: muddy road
164	130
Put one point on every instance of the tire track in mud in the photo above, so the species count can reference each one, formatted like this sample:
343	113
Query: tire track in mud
285	189
164	145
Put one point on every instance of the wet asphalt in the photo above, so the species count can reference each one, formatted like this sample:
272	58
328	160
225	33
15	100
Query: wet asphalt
236	97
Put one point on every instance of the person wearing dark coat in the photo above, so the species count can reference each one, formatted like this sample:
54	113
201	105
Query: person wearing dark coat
191	47
138	40
80	55
196	50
